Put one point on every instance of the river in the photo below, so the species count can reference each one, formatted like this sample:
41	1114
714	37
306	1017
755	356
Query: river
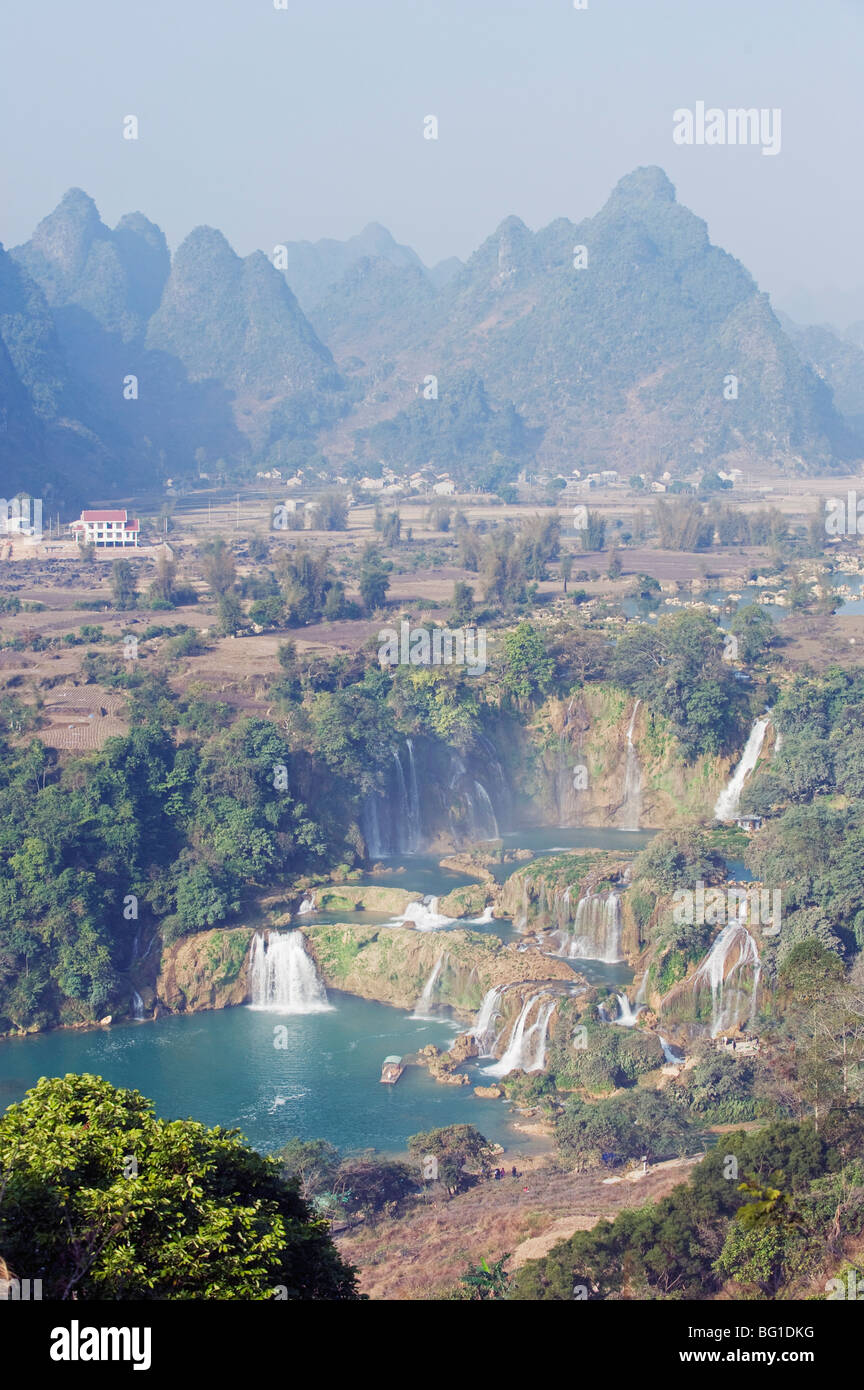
222	1067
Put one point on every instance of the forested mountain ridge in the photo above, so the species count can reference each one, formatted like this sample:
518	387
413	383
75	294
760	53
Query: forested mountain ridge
617	336
624	340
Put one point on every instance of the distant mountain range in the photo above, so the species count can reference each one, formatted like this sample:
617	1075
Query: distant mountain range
625	340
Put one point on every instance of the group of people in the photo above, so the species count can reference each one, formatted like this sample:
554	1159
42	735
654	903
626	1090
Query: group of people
500	1173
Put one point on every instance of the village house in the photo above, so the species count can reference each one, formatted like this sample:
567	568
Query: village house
110	530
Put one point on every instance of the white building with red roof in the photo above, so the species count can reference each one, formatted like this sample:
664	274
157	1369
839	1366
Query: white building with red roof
112	530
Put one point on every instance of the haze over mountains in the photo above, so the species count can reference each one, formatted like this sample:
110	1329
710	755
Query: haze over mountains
624	362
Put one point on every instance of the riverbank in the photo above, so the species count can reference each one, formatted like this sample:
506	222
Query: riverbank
422	1254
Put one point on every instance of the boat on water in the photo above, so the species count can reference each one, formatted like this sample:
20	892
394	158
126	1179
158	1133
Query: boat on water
391	1070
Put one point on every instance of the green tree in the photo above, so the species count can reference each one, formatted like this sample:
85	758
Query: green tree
754	1255
314	1163
528	669
593	534
374	1186
485	1282
230	613
754	628
123	588
331	512
164	586
454	1147
103	1201
217	565
374	581
463	602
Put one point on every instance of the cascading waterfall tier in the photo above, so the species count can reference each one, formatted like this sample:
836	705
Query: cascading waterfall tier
392	823
597	928
627	1015
282	976
472	815
732	969
526	1046
671	1059
425	916
729	800
485	1028
464	795
424	1006
631	810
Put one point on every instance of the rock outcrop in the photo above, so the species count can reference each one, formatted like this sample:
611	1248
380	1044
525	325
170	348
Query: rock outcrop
204	971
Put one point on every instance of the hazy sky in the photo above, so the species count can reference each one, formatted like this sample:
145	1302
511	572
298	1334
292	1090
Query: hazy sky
275	125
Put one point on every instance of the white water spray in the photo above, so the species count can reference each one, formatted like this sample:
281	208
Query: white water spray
627	1015
669	1056
729	999
484	1029
282	977
729	799
596	930
425	916
487	915
632	807
486	824
526	1049
423	1007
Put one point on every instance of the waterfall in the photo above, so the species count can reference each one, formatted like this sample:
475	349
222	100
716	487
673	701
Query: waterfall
730	797
407	824
730	1001
487	915
642	991
282	977
425	916
668	1055
526	1049
596	930
627	1014
472	814
412	805
423	1007
486	822
632	807
392	819
484	1027
492	763
137	1005
307	905
372	828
